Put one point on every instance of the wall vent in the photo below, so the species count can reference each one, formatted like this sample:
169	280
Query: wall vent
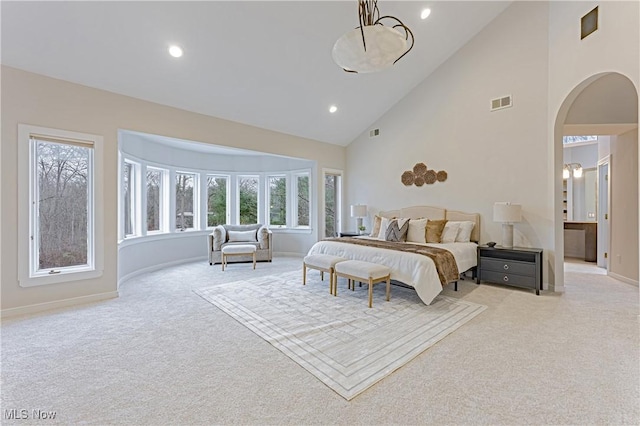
373	133
500	103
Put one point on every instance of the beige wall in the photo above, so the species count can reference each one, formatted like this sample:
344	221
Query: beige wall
573	65
532	51
37	100
446	123
623	252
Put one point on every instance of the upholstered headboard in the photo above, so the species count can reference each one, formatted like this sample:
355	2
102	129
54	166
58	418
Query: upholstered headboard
437	213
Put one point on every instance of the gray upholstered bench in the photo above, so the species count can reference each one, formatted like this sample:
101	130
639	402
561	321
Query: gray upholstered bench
238	250
366	272
323	263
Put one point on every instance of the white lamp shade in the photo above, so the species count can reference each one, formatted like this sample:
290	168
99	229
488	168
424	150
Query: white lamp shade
359	210
384	46
507	212
577	172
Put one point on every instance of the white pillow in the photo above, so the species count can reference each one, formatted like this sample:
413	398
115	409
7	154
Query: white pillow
242	236
384	224
450	232
417	231
464	232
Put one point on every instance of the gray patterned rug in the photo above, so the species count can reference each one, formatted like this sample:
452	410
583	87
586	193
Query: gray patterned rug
342	342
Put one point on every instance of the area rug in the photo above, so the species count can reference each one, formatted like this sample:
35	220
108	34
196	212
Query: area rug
340	340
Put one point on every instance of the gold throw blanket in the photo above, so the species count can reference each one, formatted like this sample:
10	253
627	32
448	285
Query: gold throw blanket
443	259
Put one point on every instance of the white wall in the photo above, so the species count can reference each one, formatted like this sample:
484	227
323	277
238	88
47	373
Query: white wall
34	99
573	65
586	155
447	124
144	147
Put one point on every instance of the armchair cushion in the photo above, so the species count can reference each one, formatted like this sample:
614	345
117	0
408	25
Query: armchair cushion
242	236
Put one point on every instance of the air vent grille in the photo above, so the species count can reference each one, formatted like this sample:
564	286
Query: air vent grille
502	102
373	133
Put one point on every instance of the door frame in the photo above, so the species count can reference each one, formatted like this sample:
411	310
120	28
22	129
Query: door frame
604	208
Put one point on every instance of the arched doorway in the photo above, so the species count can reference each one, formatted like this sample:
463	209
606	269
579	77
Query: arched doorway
603	104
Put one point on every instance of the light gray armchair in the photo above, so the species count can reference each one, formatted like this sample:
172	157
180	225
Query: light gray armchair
223	235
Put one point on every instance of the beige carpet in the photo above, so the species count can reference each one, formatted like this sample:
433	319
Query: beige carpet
340	340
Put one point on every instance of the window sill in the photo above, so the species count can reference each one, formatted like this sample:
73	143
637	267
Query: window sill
284	230
62	277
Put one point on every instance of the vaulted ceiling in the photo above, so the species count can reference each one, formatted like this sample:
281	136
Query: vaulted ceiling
263	63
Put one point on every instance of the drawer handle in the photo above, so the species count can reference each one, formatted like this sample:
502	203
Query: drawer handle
505	279
506	267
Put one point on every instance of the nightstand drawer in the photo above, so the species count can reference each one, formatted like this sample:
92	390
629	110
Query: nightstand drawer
508	267
509	279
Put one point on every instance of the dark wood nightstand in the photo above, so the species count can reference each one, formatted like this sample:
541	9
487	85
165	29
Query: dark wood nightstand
518	266
348	234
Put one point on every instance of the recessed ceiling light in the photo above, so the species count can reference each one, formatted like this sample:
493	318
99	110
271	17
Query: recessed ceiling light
425	13
333	109
175	51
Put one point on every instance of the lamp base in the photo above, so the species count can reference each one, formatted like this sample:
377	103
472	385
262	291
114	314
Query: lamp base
358	224
507	235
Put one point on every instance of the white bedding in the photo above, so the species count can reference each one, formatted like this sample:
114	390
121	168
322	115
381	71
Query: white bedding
412	269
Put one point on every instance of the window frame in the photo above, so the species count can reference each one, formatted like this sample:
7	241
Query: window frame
260	178
135	199
163	225
287	201
28	273
195	225
294	198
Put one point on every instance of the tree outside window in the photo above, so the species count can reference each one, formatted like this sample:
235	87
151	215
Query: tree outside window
248	197
62	181
303	200
154	198
217	188
278	200
184	200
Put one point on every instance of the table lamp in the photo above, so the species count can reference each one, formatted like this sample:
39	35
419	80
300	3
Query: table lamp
358	211
508	214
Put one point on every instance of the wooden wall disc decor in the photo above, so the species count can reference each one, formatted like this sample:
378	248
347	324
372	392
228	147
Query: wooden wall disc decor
408	178
420	169
430	177
421	175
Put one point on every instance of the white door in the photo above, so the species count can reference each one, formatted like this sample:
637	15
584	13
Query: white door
603	212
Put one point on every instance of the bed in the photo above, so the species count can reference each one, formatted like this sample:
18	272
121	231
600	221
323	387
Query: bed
412	269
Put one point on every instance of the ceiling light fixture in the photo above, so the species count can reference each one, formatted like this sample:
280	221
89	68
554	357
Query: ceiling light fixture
371	46
425	13
175	51
333	109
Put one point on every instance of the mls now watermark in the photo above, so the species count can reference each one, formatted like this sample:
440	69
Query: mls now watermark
24	414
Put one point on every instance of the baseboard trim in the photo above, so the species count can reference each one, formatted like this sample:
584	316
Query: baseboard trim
64	303
623	279
158	267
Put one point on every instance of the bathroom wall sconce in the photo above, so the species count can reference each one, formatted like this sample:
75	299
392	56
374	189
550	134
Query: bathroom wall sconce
576	168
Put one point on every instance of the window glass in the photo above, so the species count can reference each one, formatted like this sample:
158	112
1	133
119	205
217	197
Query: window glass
303	200
277	200
332	188
62	209
127	198
217	200
185	183
154	198
248	199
